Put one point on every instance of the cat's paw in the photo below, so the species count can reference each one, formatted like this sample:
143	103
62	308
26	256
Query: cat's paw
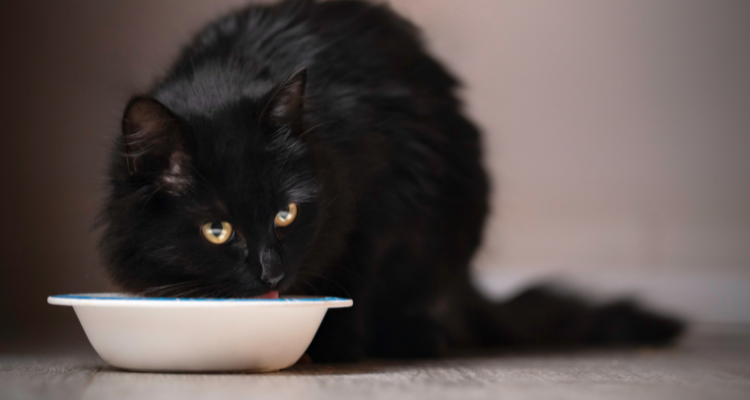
412	337
333	352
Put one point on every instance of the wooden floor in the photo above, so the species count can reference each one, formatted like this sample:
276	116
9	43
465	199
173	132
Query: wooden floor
710	363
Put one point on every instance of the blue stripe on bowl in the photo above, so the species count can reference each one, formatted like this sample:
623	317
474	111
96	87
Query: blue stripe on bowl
115	298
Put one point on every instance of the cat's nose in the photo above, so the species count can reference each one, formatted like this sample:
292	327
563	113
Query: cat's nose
273	271
272	281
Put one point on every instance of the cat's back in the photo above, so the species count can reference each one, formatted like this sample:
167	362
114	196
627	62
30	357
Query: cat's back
351	48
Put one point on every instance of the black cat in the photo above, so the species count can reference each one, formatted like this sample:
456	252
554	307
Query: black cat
315	148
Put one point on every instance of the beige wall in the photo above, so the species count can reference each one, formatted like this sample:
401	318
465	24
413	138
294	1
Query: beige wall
616	132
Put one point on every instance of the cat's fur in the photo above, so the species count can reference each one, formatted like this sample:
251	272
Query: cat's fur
334	106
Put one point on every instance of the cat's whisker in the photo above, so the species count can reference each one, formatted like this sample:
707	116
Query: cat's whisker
327	279
166	290
356	275
187	292
171	285
308	284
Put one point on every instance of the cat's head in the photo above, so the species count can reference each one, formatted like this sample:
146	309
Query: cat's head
212	191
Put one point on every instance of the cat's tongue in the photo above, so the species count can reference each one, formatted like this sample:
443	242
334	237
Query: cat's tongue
274	294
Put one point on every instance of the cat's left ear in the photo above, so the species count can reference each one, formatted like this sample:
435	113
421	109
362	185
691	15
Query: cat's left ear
286	105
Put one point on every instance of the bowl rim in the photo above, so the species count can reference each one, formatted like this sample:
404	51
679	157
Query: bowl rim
125	300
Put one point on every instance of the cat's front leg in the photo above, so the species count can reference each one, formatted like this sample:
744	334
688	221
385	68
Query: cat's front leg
406	335
338	340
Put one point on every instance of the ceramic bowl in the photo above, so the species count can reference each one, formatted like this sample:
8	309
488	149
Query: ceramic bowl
182	334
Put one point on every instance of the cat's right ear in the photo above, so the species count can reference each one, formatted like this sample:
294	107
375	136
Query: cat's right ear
153	139
286	104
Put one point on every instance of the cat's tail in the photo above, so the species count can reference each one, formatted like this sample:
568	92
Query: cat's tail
543	316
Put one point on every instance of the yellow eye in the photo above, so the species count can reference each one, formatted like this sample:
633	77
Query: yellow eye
284	218
217	232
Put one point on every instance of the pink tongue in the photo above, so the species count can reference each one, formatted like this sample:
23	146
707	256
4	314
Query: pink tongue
274	294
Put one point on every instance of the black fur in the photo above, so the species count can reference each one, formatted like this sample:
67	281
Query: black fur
334	106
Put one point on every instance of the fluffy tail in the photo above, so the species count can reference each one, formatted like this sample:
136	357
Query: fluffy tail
542	316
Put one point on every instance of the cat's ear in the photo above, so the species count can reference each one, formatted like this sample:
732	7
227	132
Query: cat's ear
286	105
154	141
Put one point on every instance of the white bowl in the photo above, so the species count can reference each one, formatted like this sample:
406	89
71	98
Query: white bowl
170	334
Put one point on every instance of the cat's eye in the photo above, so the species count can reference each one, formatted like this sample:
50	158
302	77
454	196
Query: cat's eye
286	217
217	232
